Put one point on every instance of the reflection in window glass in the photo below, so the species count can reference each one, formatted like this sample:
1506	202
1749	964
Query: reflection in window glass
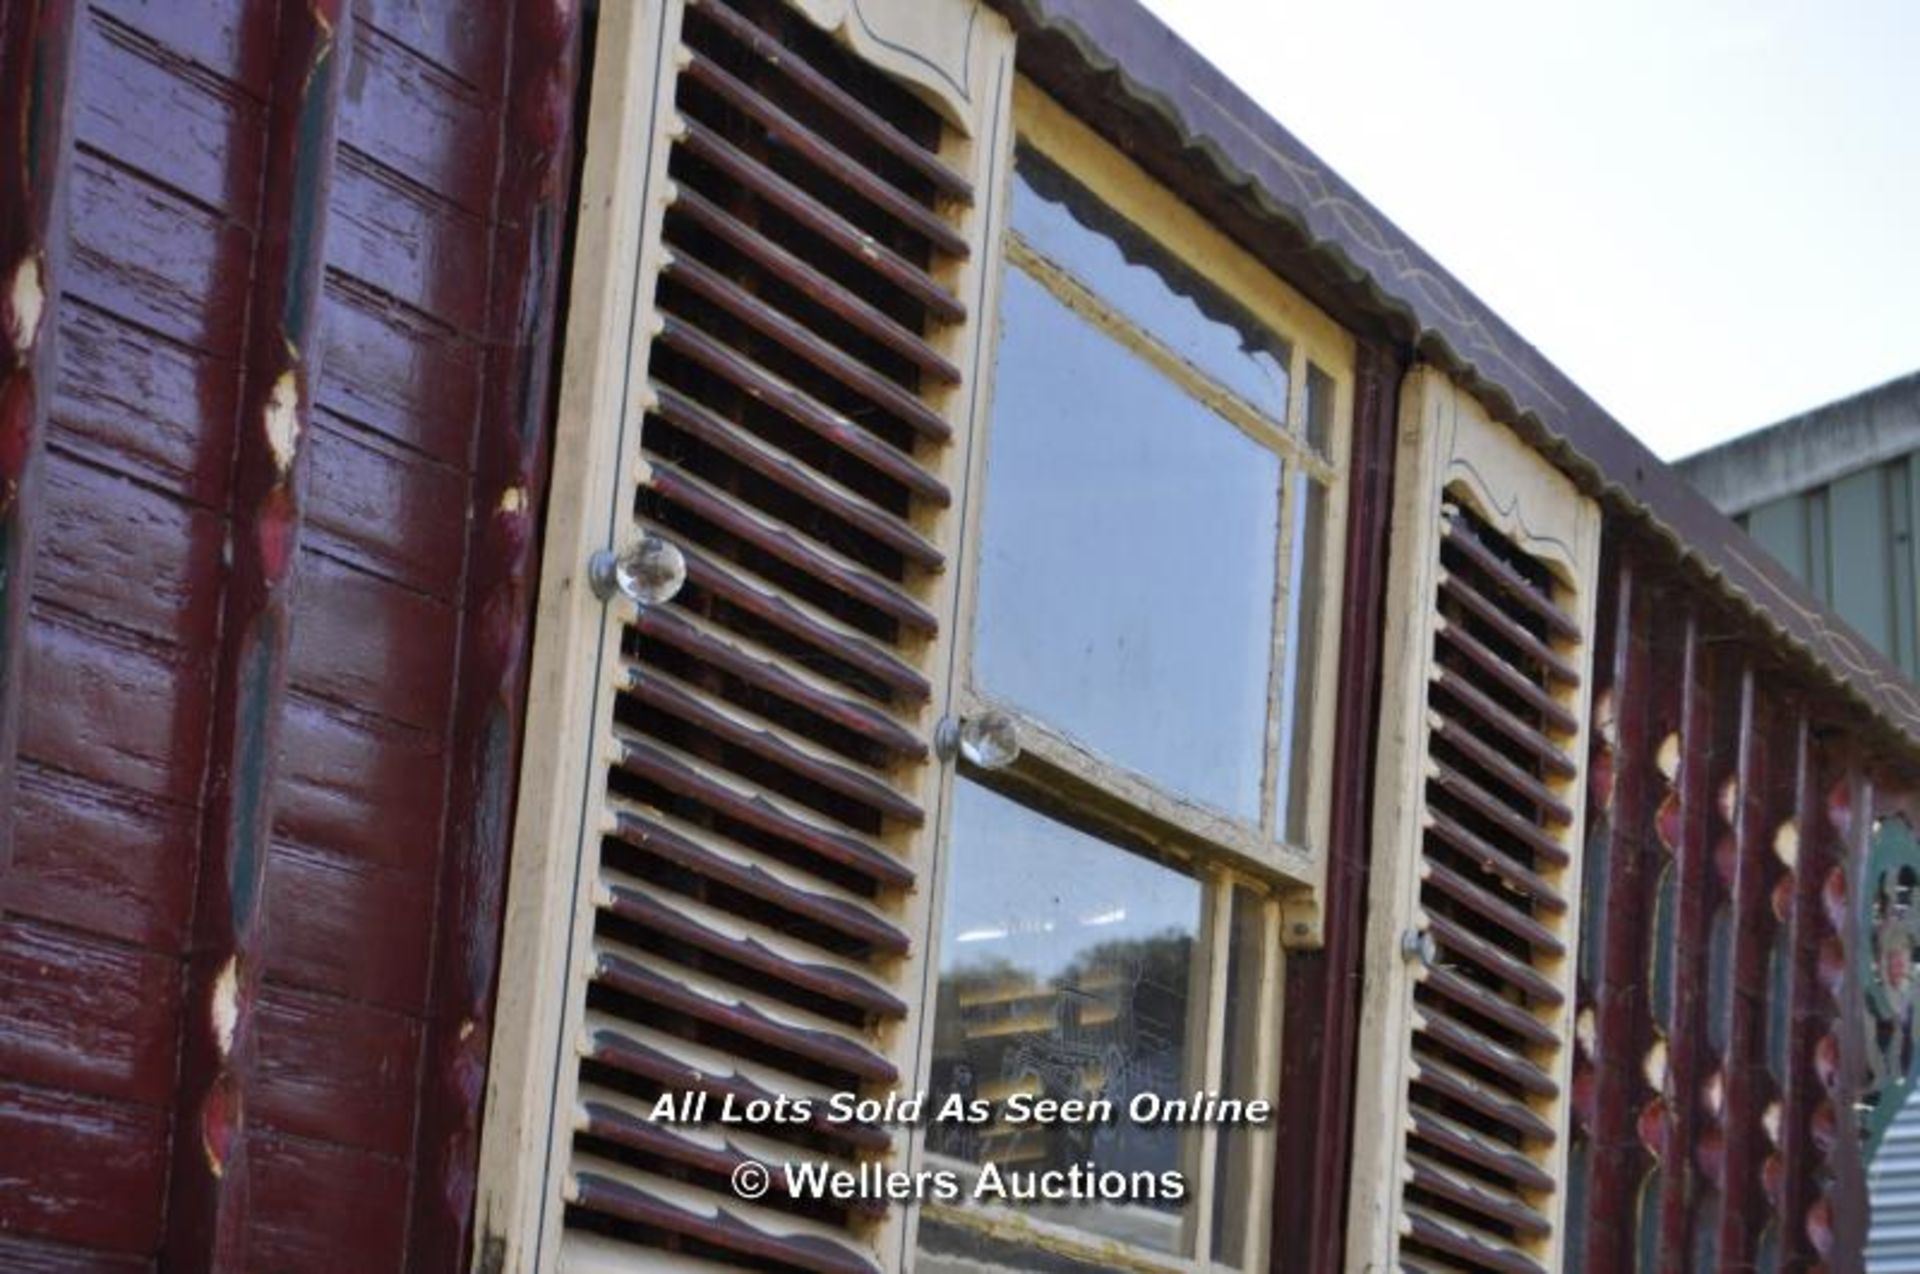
1067	225
1298	683
1127	558
1066	971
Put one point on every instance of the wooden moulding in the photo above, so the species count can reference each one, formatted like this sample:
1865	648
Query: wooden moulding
1687	1063
208	1200
1319	1032
1621	1027
36	62
535	188
1765	798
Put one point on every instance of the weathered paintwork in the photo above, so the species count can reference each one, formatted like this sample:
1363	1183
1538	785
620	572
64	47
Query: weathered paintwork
273	465
274	410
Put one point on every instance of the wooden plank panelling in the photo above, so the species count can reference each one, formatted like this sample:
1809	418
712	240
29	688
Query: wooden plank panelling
1614	1033
36	62
211	1185
507	491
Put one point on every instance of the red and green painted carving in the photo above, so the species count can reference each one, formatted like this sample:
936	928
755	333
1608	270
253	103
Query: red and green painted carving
1890	920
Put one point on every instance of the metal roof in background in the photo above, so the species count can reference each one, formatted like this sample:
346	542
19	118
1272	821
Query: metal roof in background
1116	65
1810	449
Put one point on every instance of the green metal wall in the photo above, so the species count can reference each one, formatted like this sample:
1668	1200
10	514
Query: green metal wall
1852	542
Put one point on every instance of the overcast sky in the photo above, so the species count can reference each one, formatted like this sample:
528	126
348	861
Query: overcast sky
1706	213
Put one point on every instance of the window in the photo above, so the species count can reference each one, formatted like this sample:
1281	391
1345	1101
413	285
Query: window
1156	489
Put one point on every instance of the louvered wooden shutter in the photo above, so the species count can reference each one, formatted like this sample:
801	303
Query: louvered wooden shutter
782	263
1466	1048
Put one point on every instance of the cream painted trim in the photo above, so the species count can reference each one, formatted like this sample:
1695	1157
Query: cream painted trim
563	773
1446	440
939	48
984	152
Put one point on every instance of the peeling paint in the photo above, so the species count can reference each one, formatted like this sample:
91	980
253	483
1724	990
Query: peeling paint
26	302
225	1005
1654	1066
1666	757
513	500
1786	843
282	420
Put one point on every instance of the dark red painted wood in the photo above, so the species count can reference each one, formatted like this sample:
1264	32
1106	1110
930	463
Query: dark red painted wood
211	1186
534	184
36	62
1748	1087
1809	1005
1687	1063
1619	1001
1320	1031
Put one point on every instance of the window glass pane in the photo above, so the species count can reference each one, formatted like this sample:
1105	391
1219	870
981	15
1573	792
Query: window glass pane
1067	970
1319	409
1064	223
1302	654
1128	557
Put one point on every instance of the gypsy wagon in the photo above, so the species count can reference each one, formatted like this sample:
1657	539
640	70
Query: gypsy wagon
554	558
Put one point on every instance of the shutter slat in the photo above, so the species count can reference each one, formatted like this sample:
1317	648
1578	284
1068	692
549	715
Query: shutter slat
783	129
1510	775
1462	538
804	622
1521	879
605	1115
755	666
840	301
1522	733
738	444
1511	630
1500	1159
1457	1239
1503	1206
679	1065
1521	976
681	844
798	406
758	952
741	1014
1475	998
829	94
744	730
733	516
1511	679
1457	1085
1460	785
859	247
678	772
799	339
1493	908
657	1202
1524	1075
